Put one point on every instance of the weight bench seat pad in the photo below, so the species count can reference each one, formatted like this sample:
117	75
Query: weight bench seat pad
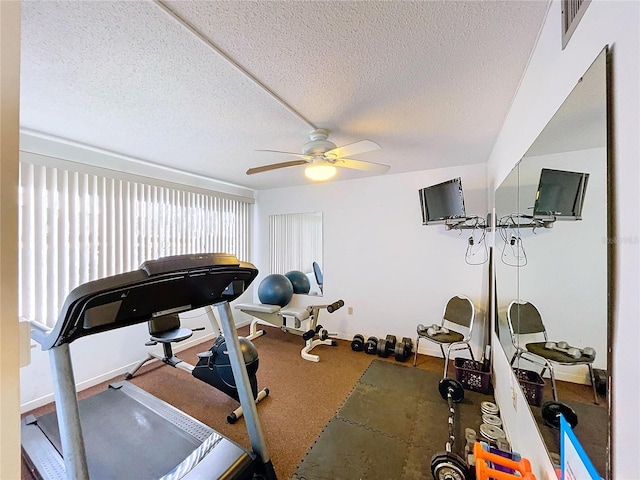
258	307
299	313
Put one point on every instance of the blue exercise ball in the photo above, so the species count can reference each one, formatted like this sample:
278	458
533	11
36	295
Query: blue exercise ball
299	281
275	289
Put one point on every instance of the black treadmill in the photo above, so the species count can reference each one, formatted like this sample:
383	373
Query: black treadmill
125	432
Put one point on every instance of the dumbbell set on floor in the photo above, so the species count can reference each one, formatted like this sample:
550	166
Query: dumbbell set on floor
401	350
573	352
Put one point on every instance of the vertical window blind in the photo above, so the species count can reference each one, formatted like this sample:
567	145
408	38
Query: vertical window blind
295	242
76	227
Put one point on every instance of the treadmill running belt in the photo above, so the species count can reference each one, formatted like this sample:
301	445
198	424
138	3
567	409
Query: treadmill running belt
124	439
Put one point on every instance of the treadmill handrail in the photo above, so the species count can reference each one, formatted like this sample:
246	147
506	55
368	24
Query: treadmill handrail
167	285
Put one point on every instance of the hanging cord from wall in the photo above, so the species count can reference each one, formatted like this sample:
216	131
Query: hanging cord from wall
513	253
476	244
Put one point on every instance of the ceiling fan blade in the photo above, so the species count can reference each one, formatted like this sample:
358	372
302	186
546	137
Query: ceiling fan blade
362	146
360	165
307	157
275	166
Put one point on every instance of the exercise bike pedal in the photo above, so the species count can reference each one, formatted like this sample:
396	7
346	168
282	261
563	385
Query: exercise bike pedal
150	343
207	354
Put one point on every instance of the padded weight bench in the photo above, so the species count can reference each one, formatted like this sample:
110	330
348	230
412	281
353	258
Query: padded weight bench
292	319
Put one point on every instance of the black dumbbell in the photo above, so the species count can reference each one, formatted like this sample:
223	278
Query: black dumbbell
403	349
357	344
371	346
386	346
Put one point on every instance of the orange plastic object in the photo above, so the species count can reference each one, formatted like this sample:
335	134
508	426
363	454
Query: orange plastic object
484	472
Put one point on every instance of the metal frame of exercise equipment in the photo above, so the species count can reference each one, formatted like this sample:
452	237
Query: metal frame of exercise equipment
121	300
176	362
290	320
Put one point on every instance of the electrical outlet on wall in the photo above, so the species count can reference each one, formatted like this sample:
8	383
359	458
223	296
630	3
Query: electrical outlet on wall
350	310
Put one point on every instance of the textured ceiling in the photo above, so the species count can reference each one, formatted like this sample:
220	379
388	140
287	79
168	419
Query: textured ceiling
430	82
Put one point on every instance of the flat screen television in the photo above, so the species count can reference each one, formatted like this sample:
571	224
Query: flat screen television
442	202
560	195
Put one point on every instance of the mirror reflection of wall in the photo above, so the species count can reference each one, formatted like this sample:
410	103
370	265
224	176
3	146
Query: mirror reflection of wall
295	243
563	270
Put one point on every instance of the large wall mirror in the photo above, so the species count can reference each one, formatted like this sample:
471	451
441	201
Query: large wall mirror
295	243
561	267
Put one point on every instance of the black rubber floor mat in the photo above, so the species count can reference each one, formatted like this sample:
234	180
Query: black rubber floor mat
384	410
409	380
347	451
389	427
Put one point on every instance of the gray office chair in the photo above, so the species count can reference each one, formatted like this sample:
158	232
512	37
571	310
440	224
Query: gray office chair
459	312
525	319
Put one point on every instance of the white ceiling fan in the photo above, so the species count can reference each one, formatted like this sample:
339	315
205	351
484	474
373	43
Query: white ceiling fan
321	157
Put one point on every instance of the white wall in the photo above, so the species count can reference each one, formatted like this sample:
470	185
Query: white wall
551	75
569	260
378	257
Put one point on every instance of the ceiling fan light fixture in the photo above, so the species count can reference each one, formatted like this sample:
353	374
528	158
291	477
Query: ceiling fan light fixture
319	172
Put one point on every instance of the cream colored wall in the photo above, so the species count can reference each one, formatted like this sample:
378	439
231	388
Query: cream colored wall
9	124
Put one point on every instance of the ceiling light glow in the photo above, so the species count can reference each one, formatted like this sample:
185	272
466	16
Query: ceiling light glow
319	172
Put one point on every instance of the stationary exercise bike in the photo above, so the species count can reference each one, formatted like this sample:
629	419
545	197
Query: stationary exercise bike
213	366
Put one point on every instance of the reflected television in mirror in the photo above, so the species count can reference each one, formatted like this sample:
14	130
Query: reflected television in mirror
572	293
441	202
560	195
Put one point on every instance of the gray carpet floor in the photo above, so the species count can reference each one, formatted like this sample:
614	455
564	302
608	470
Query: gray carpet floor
390	426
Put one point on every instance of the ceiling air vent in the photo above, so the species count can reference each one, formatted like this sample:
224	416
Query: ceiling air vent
572	12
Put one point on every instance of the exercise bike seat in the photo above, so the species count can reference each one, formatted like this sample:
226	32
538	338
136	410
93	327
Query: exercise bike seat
167	329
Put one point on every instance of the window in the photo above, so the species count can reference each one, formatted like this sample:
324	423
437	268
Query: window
77	226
